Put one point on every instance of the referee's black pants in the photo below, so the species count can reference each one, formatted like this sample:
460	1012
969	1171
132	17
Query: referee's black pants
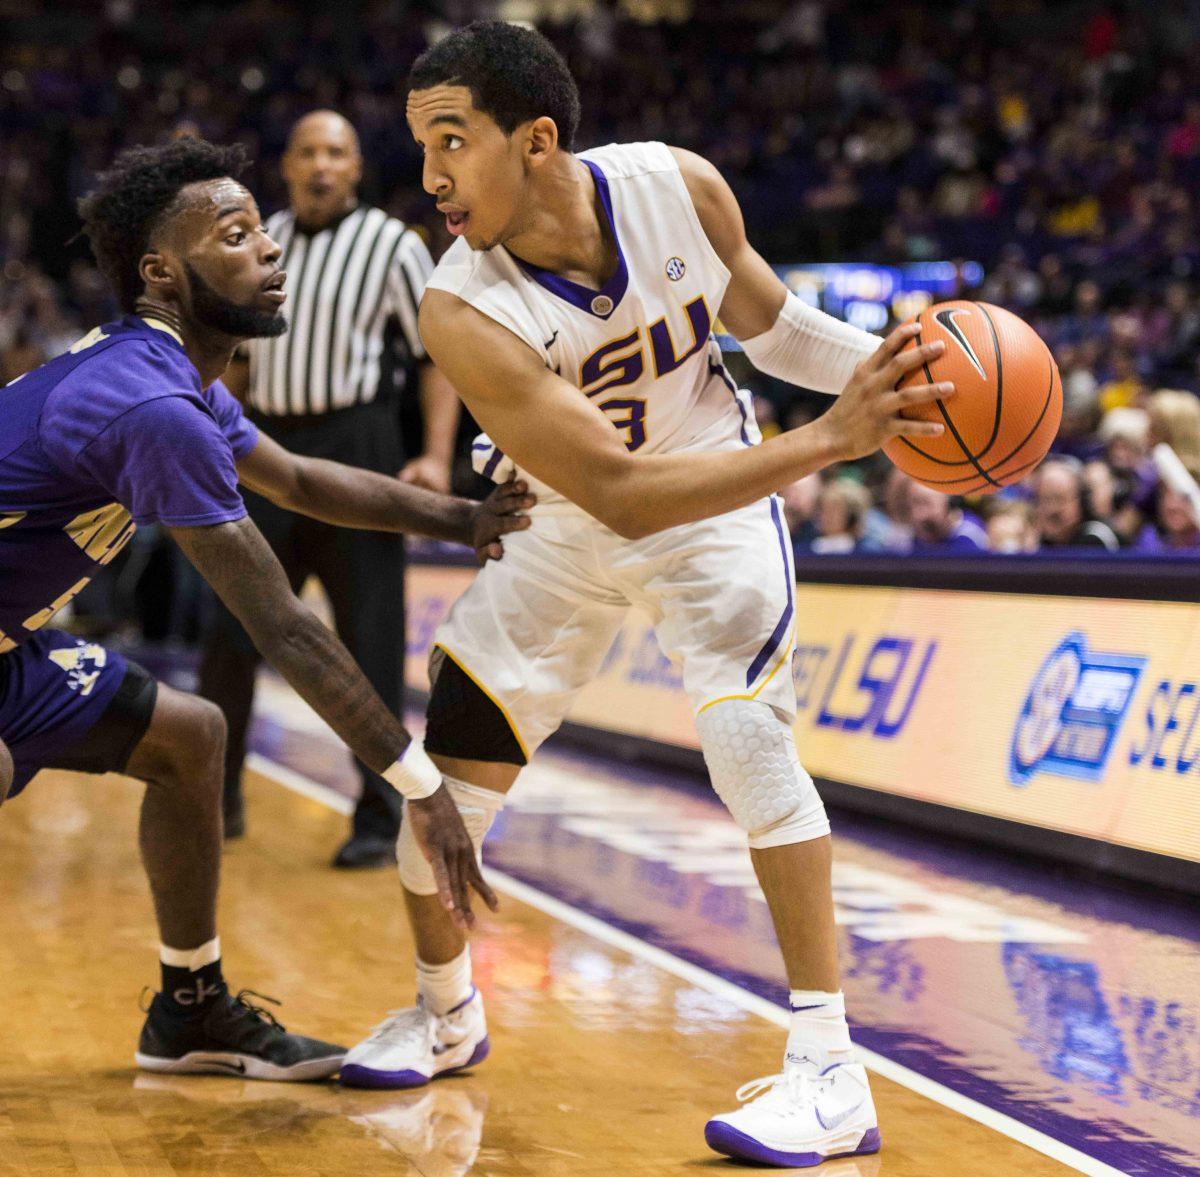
362	573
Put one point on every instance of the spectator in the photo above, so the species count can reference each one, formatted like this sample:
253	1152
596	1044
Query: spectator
889	527
1124	387
1062	511
841	517
1125	436
1181	344
1054	289
1101	485
1010	528
1114	497
939	525
1080	416
1175	419
1088	320
1175	527
1012	283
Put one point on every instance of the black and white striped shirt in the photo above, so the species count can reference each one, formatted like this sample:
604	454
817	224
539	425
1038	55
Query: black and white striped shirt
353	292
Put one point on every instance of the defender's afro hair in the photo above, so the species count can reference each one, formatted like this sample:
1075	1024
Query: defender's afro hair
122	212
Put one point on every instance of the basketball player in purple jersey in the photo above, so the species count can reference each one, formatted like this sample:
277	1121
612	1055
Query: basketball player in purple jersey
133	426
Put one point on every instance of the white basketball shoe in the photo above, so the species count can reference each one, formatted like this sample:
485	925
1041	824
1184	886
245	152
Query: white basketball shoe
799	1119
412	1046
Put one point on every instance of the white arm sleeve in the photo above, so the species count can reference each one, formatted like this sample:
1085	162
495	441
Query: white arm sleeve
809	348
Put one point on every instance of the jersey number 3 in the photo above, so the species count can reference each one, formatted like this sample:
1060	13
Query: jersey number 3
623	361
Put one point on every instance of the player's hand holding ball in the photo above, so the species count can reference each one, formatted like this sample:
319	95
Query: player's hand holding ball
1007	399
1007	410
872	409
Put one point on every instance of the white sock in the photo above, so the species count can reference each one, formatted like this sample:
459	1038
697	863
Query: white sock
818	1037
191	958
444	986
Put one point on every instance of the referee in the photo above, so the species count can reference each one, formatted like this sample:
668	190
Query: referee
330	388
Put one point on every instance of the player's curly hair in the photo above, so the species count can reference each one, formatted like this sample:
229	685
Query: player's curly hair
122	212
514	75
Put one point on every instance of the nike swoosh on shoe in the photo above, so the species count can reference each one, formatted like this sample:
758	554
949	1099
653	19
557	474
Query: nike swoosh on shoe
834	1121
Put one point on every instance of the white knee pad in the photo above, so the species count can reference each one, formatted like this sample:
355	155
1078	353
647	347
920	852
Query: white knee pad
751	757
478	808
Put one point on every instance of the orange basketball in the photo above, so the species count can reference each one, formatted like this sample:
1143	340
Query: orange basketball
1006	409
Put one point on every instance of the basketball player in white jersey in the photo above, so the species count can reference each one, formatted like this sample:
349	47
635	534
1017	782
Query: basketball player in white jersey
574	314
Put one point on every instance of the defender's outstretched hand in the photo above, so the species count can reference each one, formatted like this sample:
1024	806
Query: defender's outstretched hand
443	839
870	409
498	514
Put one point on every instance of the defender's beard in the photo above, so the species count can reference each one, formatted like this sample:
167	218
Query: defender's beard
244	322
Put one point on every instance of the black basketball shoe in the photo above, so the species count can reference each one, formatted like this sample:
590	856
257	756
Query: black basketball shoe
233	1037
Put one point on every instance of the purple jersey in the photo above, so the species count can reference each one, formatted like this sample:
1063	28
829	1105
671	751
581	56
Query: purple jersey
114	433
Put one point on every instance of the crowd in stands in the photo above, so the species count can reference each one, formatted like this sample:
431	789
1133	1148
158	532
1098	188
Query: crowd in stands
1065	504
1057	145
1102	492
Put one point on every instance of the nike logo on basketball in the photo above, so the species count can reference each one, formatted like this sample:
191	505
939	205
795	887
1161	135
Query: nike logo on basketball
946	319
834	1121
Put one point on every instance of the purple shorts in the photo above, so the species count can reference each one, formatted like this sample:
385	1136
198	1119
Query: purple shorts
54	689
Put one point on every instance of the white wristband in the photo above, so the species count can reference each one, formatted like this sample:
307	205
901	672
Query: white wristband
414	776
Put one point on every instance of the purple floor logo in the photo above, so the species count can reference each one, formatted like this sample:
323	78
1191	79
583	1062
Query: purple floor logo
1073	713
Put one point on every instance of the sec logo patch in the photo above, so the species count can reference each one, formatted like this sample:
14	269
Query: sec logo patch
676	268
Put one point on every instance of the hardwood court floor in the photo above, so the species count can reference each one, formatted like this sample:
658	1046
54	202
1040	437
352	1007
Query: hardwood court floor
601	1063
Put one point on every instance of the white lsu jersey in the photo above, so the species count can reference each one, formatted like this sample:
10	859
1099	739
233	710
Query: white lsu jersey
641	348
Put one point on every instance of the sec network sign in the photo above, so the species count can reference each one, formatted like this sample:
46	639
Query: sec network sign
1072	715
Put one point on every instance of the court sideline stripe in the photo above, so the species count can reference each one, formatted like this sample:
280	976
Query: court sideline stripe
298	783
719	987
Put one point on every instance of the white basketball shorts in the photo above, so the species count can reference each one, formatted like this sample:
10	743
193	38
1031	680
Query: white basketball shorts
534	627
